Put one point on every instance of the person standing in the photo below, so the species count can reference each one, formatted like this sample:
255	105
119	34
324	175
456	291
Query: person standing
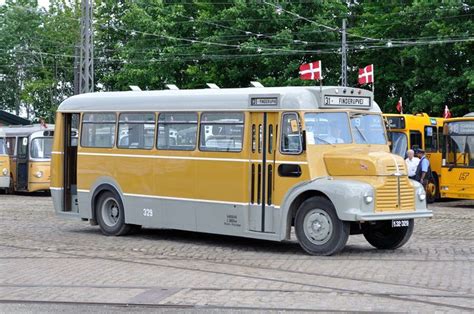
423	170
412	164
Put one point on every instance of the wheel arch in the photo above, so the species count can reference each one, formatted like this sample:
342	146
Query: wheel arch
296	203
98	191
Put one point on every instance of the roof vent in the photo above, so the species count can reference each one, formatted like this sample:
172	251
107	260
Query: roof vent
212	86
135	88
172	86
256	84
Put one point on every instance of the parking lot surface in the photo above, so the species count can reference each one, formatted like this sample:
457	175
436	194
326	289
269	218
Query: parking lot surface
50	264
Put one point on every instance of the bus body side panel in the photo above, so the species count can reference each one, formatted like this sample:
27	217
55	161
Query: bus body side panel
4	164
457	183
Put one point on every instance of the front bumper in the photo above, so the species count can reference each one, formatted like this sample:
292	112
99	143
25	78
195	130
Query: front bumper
422	213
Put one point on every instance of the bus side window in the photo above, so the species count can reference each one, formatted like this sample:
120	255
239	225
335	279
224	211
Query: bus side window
431	139
98	130
415	140
10	143
290	134
177	130
222	132
136	130
440	139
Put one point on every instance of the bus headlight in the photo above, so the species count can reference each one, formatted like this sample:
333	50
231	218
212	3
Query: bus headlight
5	171
421	193
368	198
39	174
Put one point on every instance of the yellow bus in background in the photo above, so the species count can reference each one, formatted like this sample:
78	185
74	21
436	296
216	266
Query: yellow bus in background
250	162
29	148
457	173
408	131
4	164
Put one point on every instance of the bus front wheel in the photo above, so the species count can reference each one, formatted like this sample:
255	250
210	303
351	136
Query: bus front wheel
382	235
318	229
111	216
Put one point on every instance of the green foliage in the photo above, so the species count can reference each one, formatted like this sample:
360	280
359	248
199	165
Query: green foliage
189	43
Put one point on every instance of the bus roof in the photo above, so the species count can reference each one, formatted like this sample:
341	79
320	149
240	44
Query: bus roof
24	130
270	98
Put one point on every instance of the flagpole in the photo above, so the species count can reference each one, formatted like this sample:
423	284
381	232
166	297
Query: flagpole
321	89
373	87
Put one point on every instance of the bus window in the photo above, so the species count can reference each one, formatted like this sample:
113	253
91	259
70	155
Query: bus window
368	128
431	139
290	134
440	139
415	139
136	130
177	130
3	146
10	145
399	143
222	131
98	130
41	147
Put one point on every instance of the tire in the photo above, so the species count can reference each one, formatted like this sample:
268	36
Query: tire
382	236
318	229
111	215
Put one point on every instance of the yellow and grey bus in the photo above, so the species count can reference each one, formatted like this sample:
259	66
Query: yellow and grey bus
29	148
251	162
457	178
411	131
4	164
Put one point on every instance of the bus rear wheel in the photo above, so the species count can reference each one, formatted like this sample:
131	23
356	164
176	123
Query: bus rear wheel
111	215
382	235
318	229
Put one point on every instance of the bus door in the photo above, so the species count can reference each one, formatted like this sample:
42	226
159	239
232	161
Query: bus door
22	164
264	130
70	139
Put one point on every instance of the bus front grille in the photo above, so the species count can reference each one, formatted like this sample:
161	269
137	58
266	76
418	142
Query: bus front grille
396	194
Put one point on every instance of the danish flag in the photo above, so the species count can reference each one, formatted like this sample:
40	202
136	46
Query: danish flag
366	75
311	71
400	105
447	113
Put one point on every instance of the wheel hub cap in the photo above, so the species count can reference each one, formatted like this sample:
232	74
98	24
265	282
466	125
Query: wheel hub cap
318	226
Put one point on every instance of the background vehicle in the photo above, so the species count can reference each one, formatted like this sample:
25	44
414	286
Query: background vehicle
4	164
244	162
29	148
408	131
457	173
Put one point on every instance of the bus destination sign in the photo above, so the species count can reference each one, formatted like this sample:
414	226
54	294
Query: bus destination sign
346	101
264	101
396	122
461	127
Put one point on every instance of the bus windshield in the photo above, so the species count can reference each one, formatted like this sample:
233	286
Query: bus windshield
460	144
335	128
399	143
368	128
41	147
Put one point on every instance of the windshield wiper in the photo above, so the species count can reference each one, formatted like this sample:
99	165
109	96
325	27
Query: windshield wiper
323	140
361	134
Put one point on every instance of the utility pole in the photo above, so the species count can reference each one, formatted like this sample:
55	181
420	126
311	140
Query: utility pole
344	55
86	59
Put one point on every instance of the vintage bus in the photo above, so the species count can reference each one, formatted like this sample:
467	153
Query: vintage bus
4	164
251	162
29	148
408	131
457	173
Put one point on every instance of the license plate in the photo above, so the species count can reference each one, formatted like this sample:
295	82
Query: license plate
400	223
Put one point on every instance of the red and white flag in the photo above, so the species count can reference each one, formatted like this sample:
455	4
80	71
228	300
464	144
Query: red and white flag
447	113
400	105
366	75
311	71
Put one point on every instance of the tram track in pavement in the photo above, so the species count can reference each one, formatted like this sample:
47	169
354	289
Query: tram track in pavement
166	257
391	296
